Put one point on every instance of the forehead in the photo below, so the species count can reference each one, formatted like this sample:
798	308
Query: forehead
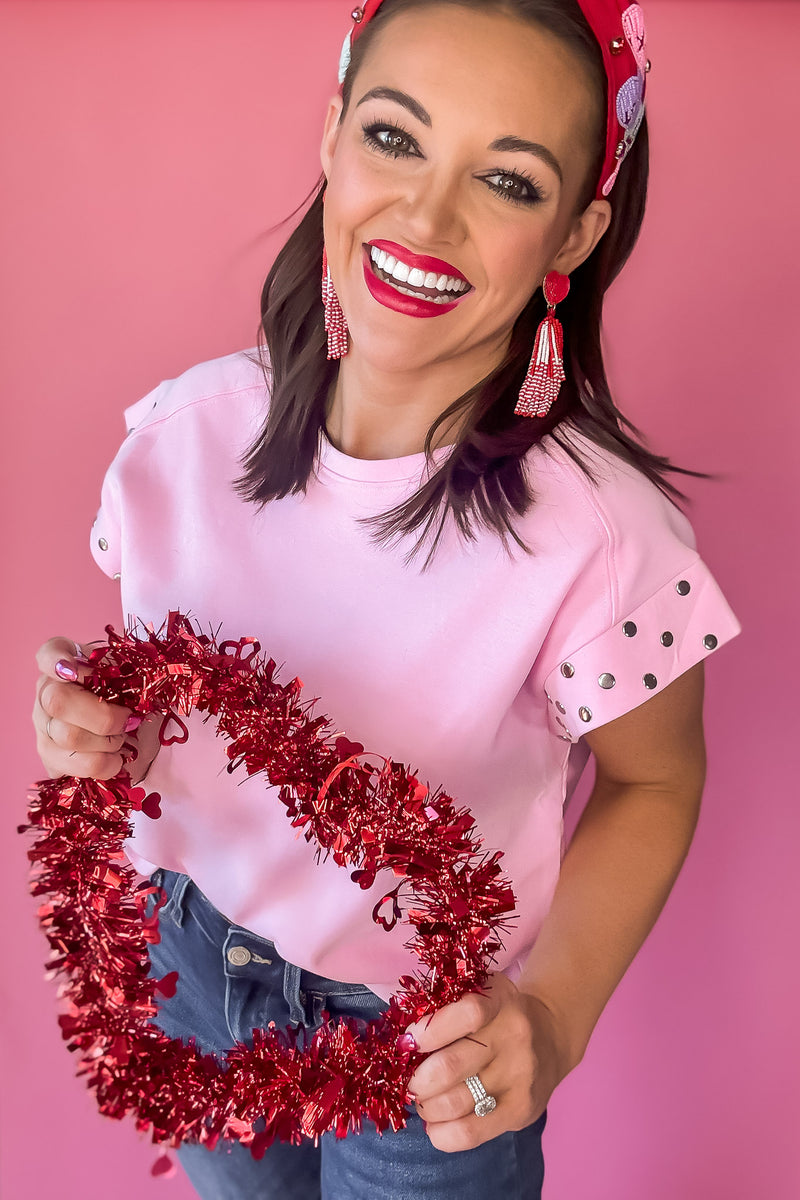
489	71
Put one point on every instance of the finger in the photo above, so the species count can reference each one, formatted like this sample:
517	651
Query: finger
76	706
75	740
58	760
446	1069
464	1018
61	658
465	1133
454	1103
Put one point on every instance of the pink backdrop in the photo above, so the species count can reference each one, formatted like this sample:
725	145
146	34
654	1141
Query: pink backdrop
146	148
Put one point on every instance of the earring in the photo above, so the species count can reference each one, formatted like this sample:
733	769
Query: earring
335	323
546	371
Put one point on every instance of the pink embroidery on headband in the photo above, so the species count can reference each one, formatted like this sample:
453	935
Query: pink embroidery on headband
635	35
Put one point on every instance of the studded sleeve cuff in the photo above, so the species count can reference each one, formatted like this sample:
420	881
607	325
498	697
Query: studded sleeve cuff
683	622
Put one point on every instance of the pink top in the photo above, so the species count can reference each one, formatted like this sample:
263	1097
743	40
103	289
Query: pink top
481	674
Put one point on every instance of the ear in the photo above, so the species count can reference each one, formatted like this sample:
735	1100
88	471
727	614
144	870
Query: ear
330	133
584	235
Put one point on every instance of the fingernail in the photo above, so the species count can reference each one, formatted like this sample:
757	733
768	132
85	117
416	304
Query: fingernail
65	670
407	1043
133	722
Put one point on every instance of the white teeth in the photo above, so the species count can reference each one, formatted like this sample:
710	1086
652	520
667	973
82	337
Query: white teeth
450	285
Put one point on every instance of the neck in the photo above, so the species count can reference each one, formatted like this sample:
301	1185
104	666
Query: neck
378	414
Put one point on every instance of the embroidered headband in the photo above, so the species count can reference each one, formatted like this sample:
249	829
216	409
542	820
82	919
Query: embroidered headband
620	32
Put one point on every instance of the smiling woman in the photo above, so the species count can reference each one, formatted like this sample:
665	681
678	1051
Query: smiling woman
517	190
420	494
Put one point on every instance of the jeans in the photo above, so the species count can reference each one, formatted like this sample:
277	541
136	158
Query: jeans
232	981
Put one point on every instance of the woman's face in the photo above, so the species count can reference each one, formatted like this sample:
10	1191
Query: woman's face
454	176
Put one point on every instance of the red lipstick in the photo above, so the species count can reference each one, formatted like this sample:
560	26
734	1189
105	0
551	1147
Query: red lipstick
388	295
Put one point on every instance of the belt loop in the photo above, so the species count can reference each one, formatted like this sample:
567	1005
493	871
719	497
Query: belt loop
294	997
176	905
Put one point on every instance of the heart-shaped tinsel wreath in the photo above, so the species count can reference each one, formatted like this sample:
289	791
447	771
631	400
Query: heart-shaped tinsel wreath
368	817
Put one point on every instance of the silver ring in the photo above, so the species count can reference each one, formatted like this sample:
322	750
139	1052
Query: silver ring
47	728
484	1103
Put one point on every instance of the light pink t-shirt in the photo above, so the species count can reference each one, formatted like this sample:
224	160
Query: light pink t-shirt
481	674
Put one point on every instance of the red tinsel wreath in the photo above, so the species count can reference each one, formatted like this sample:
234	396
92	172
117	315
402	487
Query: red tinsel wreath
369	818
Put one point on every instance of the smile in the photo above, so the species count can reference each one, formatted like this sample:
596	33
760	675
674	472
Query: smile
413	284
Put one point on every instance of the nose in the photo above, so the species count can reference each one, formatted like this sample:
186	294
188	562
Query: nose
433	214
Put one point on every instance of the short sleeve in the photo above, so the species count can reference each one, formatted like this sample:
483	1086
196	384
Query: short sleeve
638	606
682	622
106	536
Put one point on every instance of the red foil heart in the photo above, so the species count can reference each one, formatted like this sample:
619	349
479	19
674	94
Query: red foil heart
452	895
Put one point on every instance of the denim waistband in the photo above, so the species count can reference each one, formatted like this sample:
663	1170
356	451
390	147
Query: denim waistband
245	953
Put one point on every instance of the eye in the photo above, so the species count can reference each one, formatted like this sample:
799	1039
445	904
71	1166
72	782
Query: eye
390	140
509	185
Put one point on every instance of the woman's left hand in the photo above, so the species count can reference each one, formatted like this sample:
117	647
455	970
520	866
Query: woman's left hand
506	1037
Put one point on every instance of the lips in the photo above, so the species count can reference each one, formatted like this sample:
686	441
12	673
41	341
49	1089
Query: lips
414	284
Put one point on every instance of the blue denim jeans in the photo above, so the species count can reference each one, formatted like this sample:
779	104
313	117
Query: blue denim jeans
231	982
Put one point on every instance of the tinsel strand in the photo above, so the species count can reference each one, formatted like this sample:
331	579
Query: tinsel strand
292	1084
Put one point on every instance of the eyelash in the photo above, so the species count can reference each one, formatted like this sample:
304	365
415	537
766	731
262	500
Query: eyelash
373	141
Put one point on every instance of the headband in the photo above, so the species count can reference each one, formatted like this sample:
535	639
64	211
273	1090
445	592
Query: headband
620	32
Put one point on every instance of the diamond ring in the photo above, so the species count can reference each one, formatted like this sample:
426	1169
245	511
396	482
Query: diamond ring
484	1103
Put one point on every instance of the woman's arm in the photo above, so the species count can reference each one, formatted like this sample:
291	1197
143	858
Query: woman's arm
624	857
622	862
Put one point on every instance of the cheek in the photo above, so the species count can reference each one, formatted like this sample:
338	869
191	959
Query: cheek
515	263
355	190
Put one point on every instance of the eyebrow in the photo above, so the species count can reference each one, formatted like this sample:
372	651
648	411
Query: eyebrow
387	93
503	145
519	145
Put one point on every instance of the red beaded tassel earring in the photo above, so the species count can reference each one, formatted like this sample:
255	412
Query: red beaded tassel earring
335	323
546	371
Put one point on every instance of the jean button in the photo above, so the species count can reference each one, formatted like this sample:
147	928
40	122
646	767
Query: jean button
239	956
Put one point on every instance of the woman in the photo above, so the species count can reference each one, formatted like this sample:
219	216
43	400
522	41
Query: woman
468	558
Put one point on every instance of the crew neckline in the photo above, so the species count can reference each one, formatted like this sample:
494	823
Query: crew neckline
376	470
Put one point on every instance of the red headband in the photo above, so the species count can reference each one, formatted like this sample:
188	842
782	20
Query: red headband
619	29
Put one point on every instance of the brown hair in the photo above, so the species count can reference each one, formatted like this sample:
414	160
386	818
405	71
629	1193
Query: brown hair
484	480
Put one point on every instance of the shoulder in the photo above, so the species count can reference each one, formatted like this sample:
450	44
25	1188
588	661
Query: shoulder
615	511
227	389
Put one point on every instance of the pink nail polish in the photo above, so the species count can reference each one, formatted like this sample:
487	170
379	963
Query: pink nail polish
407	1044
133	722
65	670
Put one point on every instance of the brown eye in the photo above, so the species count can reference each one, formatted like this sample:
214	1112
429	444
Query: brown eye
513	187
391	141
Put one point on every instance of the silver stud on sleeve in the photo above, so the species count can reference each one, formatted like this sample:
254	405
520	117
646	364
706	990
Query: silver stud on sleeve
630	629
607	681
585	714
102	543
650	682
683	587
117	575
560	707
567	670
710	642
667	639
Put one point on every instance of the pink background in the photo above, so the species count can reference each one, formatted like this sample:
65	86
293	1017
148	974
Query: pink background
147	147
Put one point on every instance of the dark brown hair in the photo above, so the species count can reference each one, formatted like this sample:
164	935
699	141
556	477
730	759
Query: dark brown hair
484	480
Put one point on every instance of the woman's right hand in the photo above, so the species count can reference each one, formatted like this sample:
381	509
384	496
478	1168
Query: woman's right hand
76	732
